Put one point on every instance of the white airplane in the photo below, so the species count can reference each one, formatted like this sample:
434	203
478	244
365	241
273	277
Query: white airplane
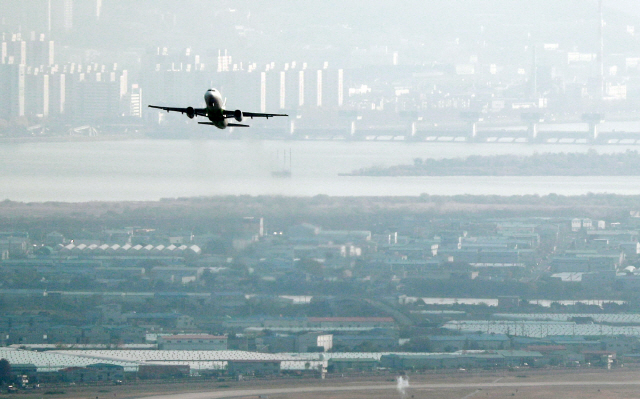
216	113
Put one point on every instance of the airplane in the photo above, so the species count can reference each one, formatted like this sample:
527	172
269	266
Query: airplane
216	113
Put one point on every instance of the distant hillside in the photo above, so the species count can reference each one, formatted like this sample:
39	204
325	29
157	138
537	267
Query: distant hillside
548	164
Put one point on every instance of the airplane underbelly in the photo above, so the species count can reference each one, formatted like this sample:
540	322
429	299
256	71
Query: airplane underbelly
216	117
219	123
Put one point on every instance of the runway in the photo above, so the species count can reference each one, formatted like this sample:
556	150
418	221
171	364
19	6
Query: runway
390	387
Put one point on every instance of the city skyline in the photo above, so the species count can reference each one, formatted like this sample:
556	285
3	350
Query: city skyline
549	63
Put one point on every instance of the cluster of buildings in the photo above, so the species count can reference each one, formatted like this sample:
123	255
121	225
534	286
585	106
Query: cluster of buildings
181	78
598	256
227	298
38	87
193	355
595	256
44	87
51	75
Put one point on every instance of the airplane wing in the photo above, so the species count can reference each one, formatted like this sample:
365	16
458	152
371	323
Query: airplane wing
197	111
230	114
258	115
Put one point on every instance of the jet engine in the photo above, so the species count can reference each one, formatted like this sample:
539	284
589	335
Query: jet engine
237	114
191	112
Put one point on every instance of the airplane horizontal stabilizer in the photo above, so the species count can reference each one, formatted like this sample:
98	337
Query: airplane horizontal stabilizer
237	125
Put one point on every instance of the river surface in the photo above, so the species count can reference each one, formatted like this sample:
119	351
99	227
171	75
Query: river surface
154	169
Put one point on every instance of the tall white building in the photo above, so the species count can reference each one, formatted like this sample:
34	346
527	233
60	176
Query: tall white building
319	89
263	92
135	107
67	15
224	61
12	81
300	88
283	89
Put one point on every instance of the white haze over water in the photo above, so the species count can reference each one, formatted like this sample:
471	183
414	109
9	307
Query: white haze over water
154	169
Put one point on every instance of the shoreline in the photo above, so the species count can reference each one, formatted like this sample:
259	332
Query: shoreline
594	206
563	164
491	175
209	137
70	139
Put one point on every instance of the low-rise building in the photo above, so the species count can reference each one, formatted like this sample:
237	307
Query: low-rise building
314	342
276	343
355	364
355	323
256	367
452	343
167	320
354	342
520	357
161	371
107	371
27	372
193	342
620	344
577	343
423	362
92	373
296	324
554	354
599	358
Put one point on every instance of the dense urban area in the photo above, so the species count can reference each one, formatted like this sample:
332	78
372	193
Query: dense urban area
234	290
115	292
90	68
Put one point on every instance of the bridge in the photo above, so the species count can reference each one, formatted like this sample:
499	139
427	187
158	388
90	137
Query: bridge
469	128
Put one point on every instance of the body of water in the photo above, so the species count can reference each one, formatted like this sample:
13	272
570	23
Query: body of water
153	169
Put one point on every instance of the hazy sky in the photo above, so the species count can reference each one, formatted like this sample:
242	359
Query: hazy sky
631	6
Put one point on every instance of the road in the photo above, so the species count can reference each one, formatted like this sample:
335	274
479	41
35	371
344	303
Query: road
313	389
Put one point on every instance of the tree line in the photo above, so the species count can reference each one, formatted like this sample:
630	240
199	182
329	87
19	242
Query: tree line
590	163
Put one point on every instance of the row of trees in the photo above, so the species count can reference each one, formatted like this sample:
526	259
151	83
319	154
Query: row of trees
5	372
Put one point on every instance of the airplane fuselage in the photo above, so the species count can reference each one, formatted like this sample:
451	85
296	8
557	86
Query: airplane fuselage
213	100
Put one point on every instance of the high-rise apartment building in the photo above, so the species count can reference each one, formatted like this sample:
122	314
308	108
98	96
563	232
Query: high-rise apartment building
12	101
39	51
135	103
67	13
224	61
97	96
36	92
57	94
